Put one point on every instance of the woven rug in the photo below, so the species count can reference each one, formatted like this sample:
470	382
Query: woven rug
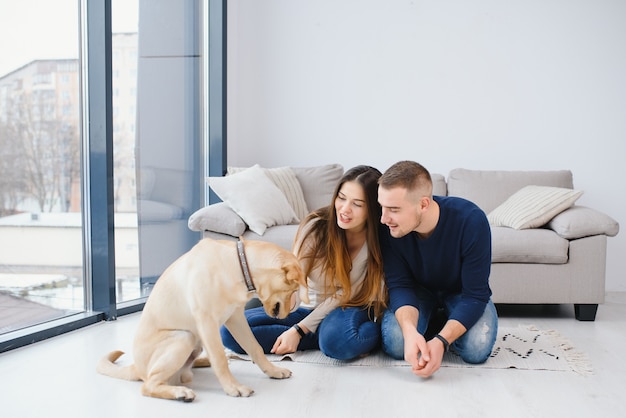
522	348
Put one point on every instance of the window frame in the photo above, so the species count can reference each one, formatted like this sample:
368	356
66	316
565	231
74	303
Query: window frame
97	161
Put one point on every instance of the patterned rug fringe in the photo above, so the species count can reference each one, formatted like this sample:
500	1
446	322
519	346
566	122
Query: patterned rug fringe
577	360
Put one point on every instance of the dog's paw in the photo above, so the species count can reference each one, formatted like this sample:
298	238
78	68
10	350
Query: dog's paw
184	394
278	373
238	391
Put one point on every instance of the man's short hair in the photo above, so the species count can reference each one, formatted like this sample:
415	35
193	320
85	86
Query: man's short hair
409	175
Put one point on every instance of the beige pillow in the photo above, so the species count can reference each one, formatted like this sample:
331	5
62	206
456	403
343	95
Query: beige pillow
533	206
255	198
285	179
318	183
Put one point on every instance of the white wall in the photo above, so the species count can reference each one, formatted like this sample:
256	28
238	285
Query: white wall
481	84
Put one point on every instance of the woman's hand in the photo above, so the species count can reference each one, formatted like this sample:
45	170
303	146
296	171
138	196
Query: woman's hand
287	342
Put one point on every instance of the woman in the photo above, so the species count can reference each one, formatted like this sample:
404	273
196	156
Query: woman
338	248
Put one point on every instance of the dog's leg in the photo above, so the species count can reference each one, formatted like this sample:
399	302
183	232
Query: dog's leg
240	330
186	374
210	335
172	356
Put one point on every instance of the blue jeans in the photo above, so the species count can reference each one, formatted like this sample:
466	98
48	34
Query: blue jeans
474	346
344	334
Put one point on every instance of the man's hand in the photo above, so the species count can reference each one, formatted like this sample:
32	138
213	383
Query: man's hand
287	342
424	357
435	349
415	349
428	365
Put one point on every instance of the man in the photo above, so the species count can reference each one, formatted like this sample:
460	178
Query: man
437	259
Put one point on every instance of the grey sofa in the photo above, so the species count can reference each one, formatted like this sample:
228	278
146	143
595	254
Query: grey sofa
560	261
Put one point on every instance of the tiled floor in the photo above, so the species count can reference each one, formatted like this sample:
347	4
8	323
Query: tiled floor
57	377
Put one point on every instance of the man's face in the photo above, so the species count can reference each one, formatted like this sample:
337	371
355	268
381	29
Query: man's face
399	213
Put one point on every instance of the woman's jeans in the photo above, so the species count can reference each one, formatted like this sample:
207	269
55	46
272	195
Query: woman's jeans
344	334
474	346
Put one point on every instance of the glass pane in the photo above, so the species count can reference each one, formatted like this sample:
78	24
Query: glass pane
169	122
124	22
41	258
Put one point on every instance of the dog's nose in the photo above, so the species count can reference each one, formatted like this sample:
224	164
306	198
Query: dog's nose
276	310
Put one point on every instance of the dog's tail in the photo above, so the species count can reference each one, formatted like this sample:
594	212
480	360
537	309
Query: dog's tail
107	367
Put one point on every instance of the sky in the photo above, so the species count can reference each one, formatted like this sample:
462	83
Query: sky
48	29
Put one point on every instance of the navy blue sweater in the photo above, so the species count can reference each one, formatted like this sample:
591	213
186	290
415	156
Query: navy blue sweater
455	258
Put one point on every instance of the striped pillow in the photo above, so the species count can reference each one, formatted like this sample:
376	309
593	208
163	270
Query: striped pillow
533	206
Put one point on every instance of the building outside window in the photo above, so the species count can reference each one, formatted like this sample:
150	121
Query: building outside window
41	257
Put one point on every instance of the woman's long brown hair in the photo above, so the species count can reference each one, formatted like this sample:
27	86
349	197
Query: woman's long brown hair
326	246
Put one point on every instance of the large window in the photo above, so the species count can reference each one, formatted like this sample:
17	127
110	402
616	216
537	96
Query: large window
41	240
104	127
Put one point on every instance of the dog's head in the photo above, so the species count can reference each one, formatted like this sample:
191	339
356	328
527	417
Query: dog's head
277	283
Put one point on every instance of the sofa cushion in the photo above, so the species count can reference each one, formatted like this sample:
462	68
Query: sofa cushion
282	235
579	222
488	189
439	184
255	198
533	206
541	246
218	217
285	179
318	183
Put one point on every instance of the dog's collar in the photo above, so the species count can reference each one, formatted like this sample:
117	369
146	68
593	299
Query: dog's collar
244	266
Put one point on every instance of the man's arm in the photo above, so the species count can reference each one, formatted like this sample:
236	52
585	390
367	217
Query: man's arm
452	331
415	351
475	269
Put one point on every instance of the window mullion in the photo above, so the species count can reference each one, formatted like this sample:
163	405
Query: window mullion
97	137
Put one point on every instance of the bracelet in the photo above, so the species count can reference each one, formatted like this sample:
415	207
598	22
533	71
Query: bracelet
446	344
300	330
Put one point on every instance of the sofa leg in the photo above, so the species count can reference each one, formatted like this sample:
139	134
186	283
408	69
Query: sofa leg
585	312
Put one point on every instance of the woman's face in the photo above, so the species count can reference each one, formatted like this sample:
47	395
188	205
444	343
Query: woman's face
351	207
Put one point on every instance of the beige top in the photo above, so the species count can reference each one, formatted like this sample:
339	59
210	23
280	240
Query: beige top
322	304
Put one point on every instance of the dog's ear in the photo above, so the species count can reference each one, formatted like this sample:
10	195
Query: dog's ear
294	273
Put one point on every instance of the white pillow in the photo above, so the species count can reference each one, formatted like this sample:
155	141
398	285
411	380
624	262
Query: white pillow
253	196
285	179
533	206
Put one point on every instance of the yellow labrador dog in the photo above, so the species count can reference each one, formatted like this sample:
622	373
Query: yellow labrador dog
205	288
